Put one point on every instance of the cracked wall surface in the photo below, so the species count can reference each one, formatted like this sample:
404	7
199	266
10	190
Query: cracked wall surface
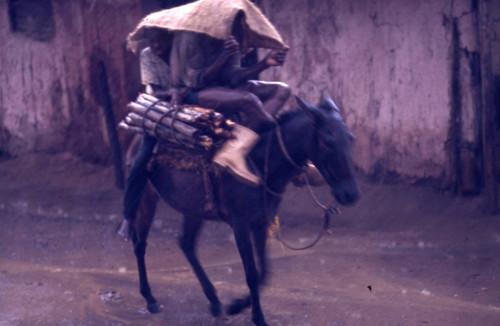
389	64
409	76
48	97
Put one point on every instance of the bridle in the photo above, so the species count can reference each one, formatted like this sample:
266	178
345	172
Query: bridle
328	210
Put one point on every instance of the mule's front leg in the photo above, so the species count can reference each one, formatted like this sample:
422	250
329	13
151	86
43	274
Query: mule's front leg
242	236
260	233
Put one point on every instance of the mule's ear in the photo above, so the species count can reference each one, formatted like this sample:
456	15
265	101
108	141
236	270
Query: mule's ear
310	109
303	104
328	104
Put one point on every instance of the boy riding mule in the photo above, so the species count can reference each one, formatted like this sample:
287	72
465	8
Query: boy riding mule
251	171
202	51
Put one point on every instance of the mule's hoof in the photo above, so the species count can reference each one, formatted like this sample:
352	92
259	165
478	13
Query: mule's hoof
154	308
123	230
216	309
258	319
260	323
238	306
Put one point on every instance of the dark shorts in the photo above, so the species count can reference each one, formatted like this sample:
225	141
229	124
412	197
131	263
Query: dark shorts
192	98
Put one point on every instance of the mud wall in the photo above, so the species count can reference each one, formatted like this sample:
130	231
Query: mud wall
416	79
49	99
406	73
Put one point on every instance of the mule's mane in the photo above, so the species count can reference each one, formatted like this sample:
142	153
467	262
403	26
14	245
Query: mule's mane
288	115
291	120
296	129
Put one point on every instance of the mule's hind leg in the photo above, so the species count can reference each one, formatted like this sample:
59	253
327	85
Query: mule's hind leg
191	230
139	233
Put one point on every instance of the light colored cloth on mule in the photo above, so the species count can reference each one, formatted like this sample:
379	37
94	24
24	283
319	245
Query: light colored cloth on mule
214	18
191	55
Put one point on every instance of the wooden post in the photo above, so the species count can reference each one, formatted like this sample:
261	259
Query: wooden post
490	133
111	125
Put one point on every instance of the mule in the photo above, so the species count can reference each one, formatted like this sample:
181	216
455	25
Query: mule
316	133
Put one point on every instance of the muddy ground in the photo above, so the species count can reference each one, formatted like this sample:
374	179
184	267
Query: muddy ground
402	256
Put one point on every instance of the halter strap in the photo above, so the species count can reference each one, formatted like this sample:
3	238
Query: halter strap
328	210
263	178
279	135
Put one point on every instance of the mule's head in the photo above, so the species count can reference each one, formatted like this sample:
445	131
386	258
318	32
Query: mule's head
330	149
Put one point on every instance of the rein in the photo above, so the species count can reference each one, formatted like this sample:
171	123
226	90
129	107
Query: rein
328	210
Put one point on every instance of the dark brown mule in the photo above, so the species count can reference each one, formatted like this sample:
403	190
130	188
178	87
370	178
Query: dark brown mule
315	133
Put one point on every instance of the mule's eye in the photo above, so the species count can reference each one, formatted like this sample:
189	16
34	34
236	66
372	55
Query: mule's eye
329	136
328	139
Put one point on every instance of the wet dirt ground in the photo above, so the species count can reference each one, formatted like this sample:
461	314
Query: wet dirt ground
402	256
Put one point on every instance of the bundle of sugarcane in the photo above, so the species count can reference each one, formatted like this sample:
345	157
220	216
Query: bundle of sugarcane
187	125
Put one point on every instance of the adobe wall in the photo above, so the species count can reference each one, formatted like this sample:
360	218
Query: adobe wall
404	72
396	68
49	101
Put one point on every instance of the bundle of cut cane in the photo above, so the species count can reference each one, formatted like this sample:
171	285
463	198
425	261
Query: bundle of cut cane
187	125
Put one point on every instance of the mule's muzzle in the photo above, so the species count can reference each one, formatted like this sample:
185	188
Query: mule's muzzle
346	192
